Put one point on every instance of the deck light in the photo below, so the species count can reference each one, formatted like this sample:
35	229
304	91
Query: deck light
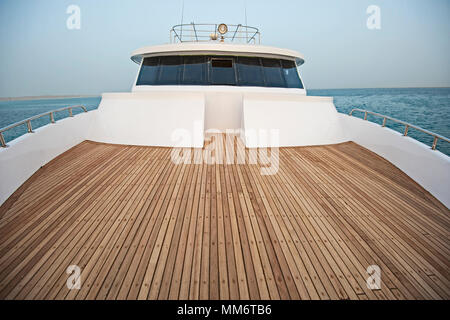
222	28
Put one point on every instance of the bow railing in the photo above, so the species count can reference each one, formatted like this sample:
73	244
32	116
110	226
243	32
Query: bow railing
27	121
407	125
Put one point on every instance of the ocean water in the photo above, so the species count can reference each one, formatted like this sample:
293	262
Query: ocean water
14	111
428	108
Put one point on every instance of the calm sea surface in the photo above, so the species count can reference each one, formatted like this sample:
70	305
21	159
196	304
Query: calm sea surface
14	111
428	108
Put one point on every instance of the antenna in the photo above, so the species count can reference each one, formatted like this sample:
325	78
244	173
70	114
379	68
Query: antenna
246	30
245	10
182	16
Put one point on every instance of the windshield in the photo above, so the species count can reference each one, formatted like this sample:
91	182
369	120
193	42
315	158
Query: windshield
219	70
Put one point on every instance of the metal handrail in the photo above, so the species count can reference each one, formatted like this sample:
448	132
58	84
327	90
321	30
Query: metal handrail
199	32
28	121
407	125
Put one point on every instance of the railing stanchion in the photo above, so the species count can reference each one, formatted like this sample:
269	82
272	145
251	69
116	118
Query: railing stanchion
435	140
30	129
52	118
2	141
365	115
406	130
70	112
384	122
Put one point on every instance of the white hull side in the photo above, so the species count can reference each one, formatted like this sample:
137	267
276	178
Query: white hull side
429	168
26	154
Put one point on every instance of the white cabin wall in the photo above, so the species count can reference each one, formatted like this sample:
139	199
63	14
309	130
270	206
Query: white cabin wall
223	110
297	120
151	119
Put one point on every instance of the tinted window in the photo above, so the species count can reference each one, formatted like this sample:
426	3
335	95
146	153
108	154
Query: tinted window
222	71
195	70
249	71
273	73
170	70
149	72
291	75
219	70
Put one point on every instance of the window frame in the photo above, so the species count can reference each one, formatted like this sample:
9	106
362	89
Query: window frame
210	70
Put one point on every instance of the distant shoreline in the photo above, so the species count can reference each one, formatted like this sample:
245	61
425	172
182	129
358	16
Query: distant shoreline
95	96
47	97
376	88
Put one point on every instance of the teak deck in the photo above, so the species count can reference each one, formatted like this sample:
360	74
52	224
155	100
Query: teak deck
142	227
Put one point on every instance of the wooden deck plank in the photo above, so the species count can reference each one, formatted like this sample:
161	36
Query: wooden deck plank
141	226
404	248
71	254
48	235
133	278
117	274
183	291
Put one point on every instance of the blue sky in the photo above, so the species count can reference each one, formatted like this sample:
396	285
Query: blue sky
40	56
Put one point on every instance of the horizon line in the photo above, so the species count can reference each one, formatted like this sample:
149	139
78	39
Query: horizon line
43	97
